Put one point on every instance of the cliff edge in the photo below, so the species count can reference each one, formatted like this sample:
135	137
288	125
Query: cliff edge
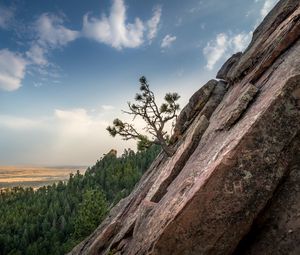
233	184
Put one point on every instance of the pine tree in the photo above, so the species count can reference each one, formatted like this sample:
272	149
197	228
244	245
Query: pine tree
154	116
91	212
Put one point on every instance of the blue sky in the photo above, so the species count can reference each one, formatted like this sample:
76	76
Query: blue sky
67	68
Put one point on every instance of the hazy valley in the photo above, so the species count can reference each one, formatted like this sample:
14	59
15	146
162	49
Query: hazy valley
35	176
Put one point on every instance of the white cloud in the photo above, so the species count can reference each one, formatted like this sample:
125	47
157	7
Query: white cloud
69	122
153	23
76	115
167	41
50	34
51	31
115	31
12	70
240	41
223	46
36	55
76	122
5	16
215	49
70	136
267	6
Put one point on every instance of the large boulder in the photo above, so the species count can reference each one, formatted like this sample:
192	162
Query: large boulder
232	185
229	64
203	101
277	33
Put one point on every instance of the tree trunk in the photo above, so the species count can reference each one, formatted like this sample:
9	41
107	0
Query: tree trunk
166	148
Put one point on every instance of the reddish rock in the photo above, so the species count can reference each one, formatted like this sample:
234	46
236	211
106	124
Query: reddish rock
236	108
276	230
232	185
196	104
229	64
279	30
203	102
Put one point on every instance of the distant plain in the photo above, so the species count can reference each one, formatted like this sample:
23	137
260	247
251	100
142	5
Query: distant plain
34	176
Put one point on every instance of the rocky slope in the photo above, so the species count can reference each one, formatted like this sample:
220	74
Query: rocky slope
233	185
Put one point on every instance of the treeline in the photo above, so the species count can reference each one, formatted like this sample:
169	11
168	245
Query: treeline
53	219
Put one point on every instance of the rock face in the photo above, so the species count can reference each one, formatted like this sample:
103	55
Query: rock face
232	186
229	64
202	102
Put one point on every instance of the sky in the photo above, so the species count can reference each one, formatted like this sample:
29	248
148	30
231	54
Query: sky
67	68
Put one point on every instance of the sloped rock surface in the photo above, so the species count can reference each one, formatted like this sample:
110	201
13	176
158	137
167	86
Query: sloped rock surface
275	35
232	185
229	64
277	229
206	98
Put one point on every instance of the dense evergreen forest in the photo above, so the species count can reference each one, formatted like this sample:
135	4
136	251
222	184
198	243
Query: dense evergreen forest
53	219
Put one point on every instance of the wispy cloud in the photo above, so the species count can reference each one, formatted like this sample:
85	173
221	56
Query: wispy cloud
6	15
267	6
223	46
215	50
115	31
167	41
49	33
37	55
52	33
153	23
197	7
12	70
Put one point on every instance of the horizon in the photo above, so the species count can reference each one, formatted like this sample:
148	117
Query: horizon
67	70
42	166
32	176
